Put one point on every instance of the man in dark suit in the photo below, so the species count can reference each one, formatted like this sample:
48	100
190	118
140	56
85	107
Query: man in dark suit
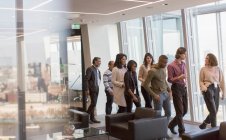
92	82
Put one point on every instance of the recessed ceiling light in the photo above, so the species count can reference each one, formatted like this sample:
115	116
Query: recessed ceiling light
123	14
68	12
165	4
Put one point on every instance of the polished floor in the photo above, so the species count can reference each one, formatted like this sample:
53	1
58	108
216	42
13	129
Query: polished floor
188	126
49	131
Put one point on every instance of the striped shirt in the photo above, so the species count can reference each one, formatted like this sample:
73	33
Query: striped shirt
107	80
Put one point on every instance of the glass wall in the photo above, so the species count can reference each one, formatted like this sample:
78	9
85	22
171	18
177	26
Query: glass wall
206	26
40	69
8	71
223	29
164	33
75	71
133	45
133	40
207	30
52	71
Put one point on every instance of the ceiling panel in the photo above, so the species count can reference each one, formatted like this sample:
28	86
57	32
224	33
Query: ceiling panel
38	19
91	6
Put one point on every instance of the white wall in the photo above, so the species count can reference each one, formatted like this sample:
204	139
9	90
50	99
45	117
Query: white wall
103	43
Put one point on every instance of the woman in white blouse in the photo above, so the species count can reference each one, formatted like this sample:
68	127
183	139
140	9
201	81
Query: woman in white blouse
143	72
211	81
118	81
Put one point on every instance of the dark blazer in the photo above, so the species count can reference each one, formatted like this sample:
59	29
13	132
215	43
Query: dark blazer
90	79
130	81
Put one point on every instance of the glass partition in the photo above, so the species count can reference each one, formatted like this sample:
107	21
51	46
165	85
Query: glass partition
8	71
207	36
133	40
164	34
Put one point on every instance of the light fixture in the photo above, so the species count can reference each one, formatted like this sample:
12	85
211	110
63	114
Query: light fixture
41	4
85	13
27	34
137	1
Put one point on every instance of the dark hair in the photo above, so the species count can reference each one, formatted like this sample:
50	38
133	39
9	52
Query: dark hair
162	57
180	51
109	63
212	59
130	64
95	59
145	61
118	60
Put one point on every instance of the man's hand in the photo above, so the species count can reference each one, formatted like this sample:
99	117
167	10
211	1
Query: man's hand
203	88
170	94
157	98
111	93
135	99
222	97
181	77
87	92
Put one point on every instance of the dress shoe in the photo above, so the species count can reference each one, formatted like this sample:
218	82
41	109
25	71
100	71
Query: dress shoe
172	130
91	122
180	134
95	121
203	125
168	137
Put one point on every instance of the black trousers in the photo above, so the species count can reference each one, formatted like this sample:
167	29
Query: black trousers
91	109
147	97
109	102
121	109
129	103
211	98
180	102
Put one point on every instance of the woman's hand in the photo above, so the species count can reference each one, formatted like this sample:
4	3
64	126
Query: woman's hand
135	99
203	88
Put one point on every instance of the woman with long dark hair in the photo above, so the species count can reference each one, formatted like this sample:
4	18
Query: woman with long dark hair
118	73
143	72
211	81
131	88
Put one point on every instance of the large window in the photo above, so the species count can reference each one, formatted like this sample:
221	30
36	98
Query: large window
206	26
133	45
8	72
164	34
223	29
133	40
208	33
36	83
